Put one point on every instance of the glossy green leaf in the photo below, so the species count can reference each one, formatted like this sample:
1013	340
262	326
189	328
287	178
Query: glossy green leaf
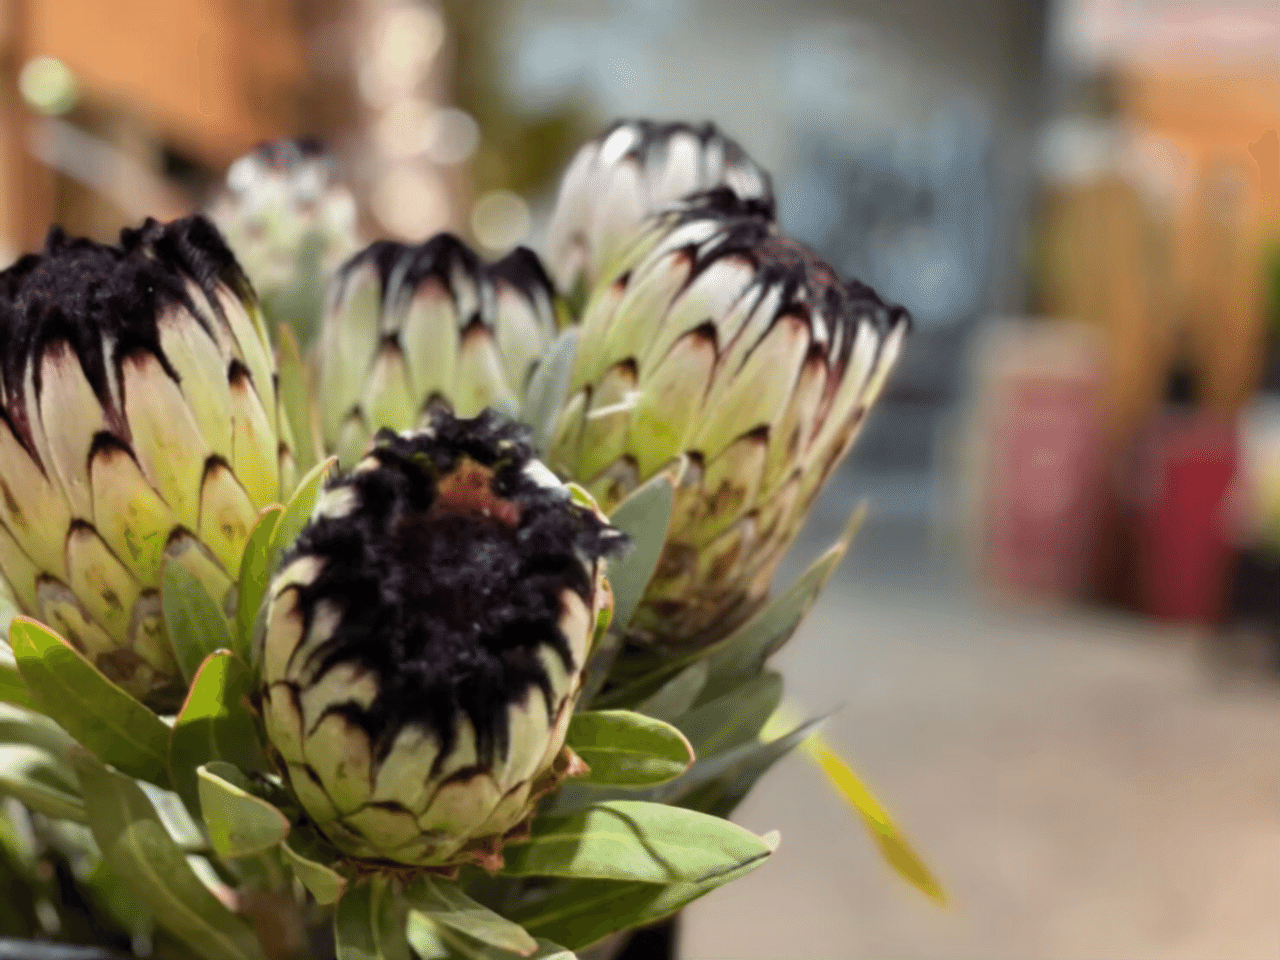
582	912
134	841
41	782
104	718
295	397
445	903
196	624
255	576
297	513
322	881
625	749
215	723
548	388
677	695
369	923
239	823
734	718
632	840
643	516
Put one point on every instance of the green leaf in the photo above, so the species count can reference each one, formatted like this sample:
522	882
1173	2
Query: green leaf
582	912
12	689
255	575
625	749
134	841
632	840
743	653
25	726
432	940
644	517
734	718
548	388
300	507
41	782
369	923
445	903
215	723
239	823
295	396
115	727
677	695
323	882
196	624
8	610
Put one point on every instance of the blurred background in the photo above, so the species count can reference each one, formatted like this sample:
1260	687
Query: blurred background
1053	652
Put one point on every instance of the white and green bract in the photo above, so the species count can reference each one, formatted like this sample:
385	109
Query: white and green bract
718	347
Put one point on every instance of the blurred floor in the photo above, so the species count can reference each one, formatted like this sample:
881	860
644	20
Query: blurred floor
1083	784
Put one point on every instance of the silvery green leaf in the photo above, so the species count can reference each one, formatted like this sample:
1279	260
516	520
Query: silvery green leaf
196	624
255	575
104	718
734	718
369	923
644	517
433	940
134	841
41	782
322	881
239	823
677	695
445	903
548	388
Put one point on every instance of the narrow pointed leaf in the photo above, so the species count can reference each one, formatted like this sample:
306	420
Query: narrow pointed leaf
104	718
134	841
196	624
369	924
582	912
677	695
300	507
255	575
734	718
295	396
41	782
548	388
215	723
644	517
445	903
632	840
239	823
624	749
323	882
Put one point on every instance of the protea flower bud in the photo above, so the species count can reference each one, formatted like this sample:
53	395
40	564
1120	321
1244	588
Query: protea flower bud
425	642
138	426
409	328
739	350
291	224
632	170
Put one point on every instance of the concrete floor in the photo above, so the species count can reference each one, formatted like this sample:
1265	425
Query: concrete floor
1083	785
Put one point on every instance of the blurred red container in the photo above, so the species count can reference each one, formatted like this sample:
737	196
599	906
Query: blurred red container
1185	468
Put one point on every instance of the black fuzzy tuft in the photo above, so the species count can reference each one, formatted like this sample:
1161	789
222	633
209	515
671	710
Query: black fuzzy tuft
448	607
97	296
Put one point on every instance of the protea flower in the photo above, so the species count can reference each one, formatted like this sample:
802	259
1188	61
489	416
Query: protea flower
719	341
425	642
632	170
138	426
411	327
291	225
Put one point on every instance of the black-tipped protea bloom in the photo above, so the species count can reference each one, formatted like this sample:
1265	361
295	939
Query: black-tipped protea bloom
291	225
632	170
724	343
425	642
138	426
412	327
